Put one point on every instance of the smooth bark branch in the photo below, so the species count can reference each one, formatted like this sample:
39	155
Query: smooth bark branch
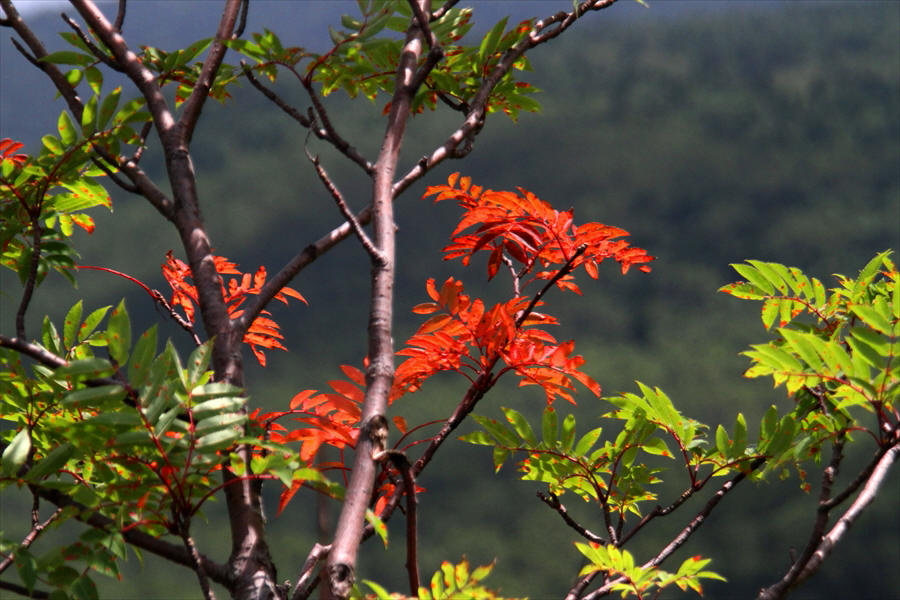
831	539
194	104
453	147
380	374
141	76
250	562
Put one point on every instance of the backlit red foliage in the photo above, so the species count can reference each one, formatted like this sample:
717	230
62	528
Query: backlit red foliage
263	332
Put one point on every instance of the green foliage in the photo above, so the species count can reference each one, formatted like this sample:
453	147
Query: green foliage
449	582
637	580
835	353
366	50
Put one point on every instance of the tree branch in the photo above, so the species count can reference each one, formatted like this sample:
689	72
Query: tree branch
97	52
23	591
307	580
677	542
373	252
401	463
194	104
380	374
172	552
141	181
801	572
474	121
553	502
326	132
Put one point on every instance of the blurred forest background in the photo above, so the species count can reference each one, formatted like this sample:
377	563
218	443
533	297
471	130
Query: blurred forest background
712	131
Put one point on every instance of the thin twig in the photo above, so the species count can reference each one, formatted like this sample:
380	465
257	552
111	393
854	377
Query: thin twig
134	536
308	579
826	544
96	51
326	132
120	16
36	529
23	591
401	463
242	22
367	244
821	521
683	536
31	281
553	502
191	547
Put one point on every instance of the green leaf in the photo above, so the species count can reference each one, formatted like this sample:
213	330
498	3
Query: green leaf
740	436
377	525
84	588
91	322
90	367
51	463
549	427
118	334
70	326
89	116
51	143
521	426
108	107
94	397
218	405
217	422
490	41
587	441
568	432
198	362
657	447
142	357
753	276
217	440
503	435
68	57
95	79
722	443
15	455
875	316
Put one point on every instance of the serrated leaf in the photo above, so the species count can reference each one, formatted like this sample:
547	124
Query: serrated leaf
217	439
218	405
216	422
753	276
